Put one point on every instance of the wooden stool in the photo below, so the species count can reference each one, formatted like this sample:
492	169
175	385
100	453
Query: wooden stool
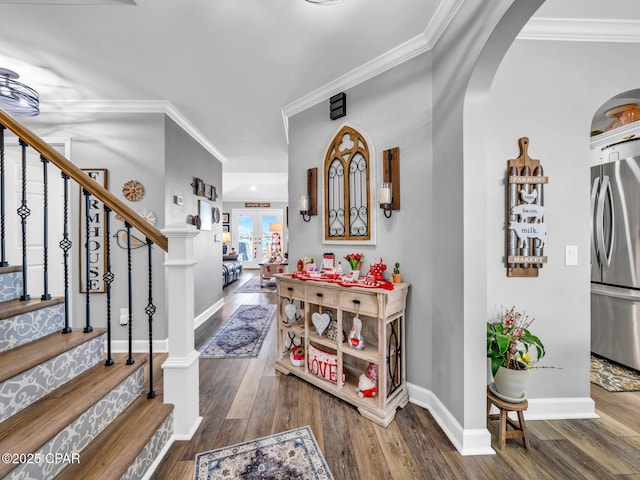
519	428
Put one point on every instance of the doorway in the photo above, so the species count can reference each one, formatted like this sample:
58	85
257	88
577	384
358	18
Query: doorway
257	234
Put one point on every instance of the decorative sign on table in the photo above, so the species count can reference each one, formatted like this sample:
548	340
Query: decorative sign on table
526	230
97	237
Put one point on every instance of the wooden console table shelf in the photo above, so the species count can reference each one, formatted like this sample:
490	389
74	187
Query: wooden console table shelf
382	313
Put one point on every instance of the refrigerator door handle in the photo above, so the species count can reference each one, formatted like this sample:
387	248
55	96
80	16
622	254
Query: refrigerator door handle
605	194
595	255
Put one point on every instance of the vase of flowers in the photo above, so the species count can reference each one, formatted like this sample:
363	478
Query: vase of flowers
355	262
509	342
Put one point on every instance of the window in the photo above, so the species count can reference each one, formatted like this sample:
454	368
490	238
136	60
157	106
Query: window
347	191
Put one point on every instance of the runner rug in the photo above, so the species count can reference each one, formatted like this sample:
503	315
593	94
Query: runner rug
242	334
287	455
613	377
253	286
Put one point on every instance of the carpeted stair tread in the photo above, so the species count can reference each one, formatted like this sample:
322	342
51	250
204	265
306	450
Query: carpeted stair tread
11	308
110	454
30	428
24	357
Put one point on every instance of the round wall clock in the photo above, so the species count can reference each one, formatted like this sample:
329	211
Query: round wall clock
133	190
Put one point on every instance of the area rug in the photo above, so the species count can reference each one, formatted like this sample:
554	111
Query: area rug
288	455
613	377
253	286
242	334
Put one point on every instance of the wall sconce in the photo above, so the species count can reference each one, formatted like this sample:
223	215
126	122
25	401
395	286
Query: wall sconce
389	191
307	202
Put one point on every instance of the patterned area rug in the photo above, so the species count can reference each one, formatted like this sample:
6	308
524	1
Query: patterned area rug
253	286
288	455
242	334
613	377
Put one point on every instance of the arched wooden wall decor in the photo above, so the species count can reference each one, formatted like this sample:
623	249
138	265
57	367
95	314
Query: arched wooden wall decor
526	230
346	187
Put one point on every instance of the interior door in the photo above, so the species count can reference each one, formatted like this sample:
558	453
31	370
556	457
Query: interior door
256	234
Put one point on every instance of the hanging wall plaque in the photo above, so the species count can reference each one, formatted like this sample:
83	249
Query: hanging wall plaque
526	230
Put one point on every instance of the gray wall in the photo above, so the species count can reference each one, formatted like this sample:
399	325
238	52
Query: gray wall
553	105
394	110
185	160
152	149
130	147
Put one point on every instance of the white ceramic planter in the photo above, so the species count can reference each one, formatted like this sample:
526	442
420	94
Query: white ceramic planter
511	383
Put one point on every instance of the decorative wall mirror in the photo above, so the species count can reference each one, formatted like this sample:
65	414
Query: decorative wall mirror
347	191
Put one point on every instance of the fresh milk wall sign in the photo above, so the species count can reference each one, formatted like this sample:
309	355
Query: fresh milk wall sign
526	230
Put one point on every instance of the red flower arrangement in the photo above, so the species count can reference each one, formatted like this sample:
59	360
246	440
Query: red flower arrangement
355	260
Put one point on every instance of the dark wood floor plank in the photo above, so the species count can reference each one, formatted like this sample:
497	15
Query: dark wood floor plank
241	400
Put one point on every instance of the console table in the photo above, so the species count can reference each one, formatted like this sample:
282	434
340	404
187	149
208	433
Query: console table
382	313
269	269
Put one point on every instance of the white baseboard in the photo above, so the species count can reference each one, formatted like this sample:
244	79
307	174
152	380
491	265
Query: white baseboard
152	468
204	316
162	345
478	441
560	408
467	442
139	346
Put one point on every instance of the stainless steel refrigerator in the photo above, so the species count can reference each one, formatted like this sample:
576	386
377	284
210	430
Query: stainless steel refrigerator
615	254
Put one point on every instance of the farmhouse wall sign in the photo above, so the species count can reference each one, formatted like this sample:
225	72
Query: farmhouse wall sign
526	230
96	239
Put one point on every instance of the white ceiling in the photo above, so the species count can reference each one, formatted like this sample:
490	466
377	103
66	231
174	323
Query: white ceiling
228	66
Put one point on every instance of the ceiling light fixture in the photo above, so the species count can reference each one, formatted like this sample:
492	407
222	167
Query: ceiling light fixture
15	97
324	2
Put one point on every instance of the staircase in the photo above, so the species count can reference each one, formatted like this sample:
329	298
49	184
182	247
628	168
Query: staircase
63	413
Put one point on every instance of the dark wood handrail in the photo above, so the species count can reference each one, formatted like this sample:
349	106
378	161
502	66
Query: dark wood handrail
97	190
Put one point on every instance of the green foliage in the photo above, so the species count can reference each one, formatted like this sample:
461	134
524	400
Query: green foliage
509	341
396	268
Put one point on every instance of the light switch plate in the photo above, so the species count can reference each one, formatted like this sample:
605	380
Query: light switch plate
571	255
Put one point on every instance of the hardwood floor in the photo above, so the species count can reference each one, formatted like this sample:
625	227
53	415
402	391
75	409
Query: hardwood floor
243	399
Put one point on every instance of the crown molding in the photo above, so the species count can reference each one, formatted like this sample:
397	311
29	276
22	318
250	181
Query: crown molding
406	51
581	30
134	106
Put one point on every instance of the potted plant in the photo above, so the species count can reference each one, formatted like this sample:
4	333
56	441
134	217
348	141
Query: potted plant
397	276
355	262
508	343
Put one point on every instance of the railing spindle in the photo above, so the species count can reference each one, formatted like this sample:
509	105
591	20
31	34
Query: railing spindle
108	279
150	311
130	360
45	220
3	249
24	212
87	268
65	245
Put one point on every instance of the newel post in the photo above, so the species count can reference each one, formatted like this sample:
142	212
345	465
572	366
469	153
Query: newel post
181	369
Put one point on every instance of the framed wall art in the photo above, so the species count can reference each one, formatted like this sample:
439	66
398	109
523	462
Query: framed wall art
96	239
205	214
225	218
199	187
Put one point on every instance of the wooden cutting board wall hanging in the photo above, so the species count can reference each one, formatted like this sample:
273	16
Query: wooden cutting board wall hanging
525	227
